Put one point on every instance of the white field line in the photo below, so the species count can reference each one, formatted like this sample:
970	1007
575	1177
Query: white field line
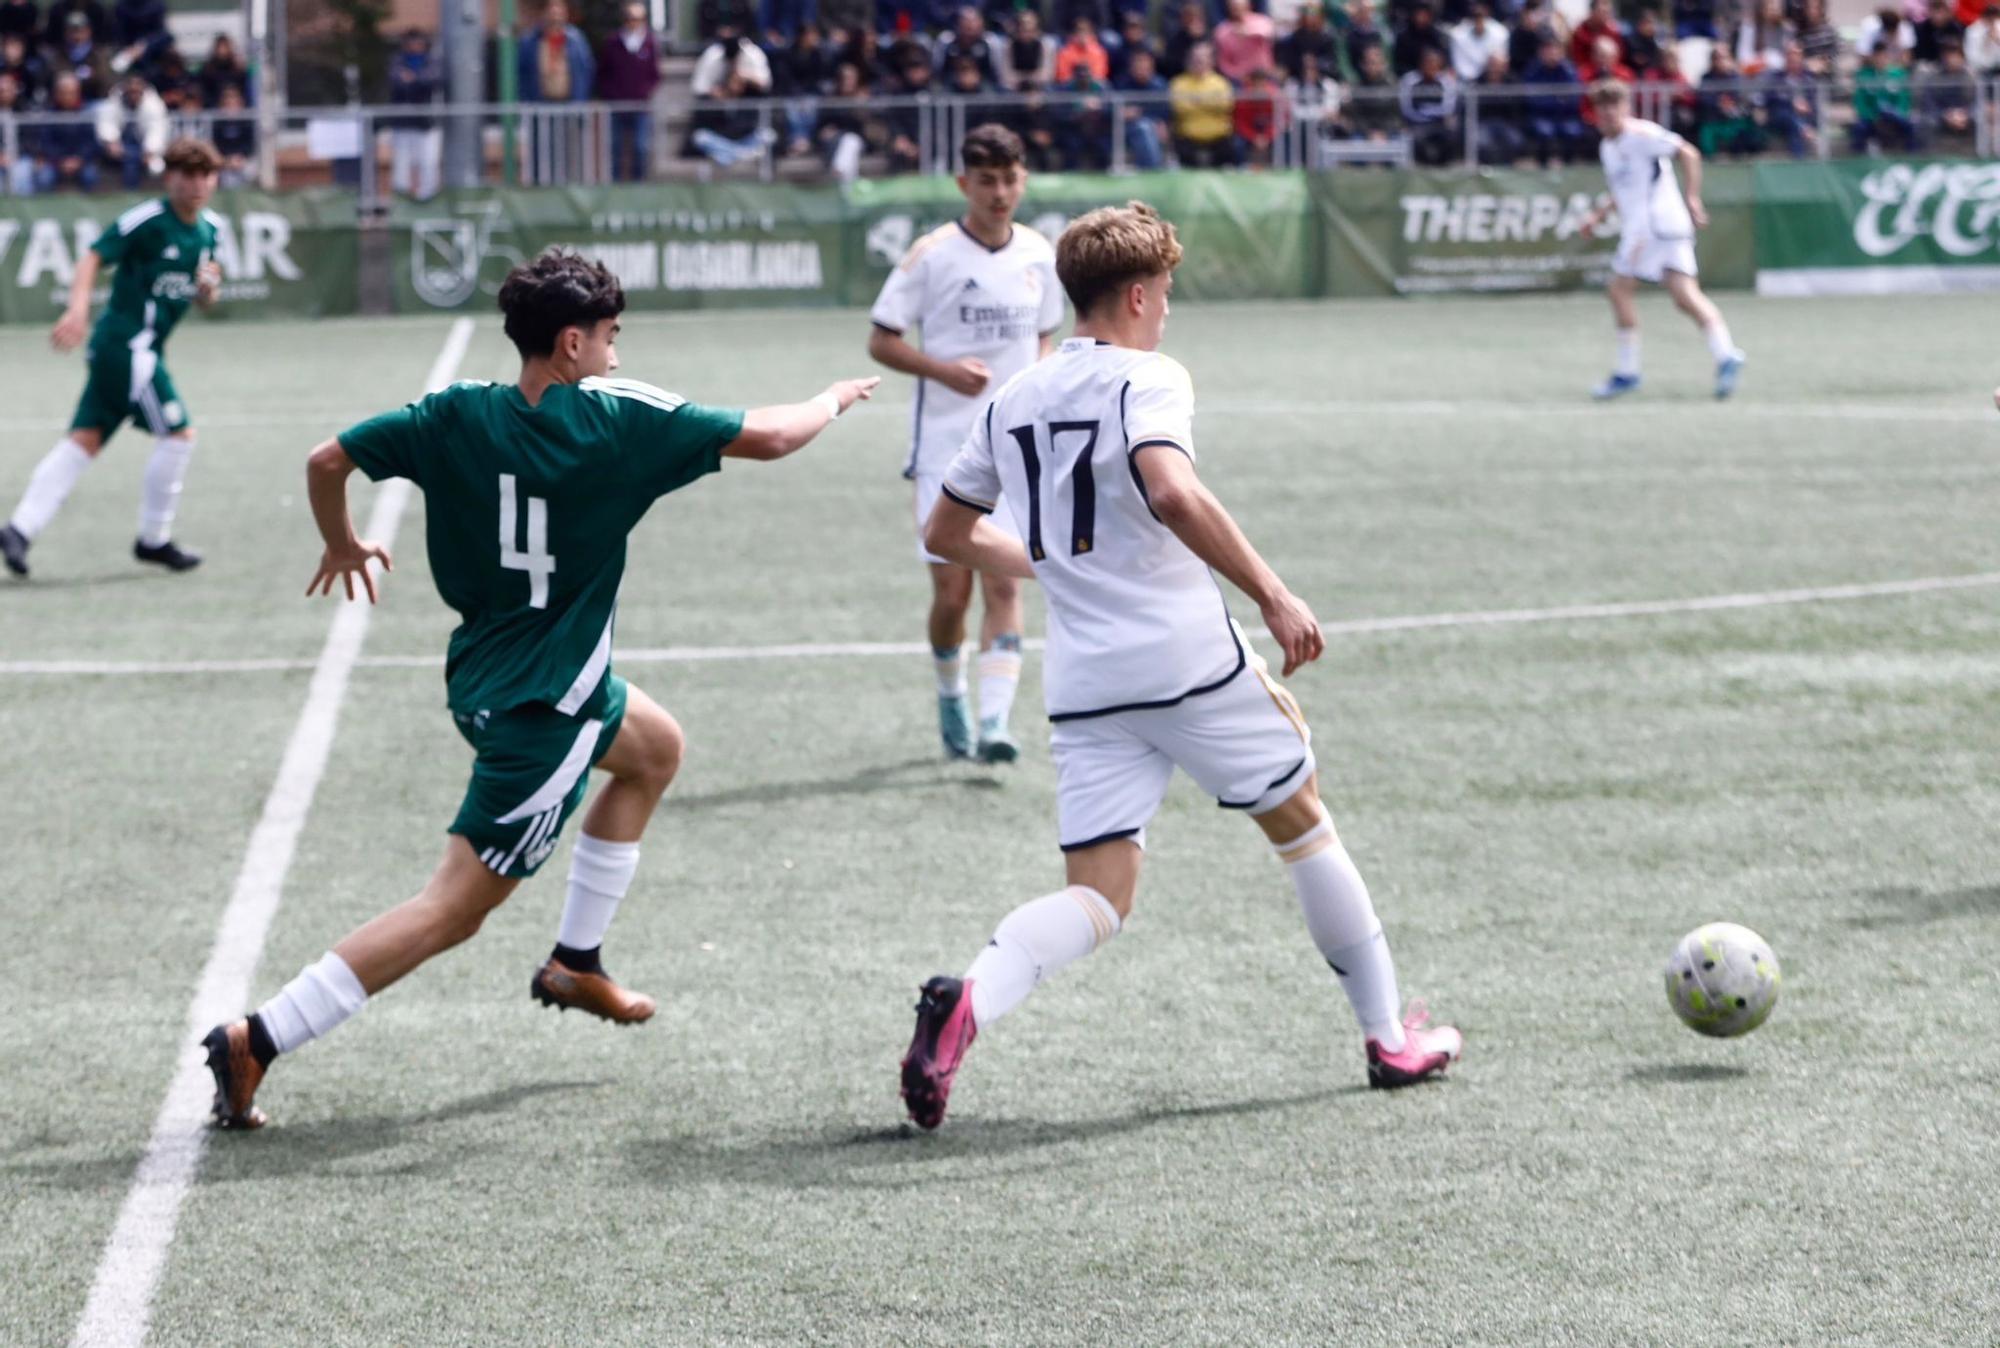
1974	412
121	1297
1415	622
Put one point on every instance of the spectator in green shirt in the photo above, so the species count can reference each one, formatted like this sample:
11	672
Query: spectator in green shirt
1882	101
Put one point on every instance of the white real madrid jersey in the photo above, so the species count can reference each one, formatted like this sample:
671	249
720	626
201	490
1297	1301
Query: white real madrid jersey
1135	618
968	300
1638	167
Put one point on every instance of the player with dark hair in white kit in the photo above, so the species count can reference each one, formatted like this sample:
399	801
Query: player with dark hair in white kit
1145	670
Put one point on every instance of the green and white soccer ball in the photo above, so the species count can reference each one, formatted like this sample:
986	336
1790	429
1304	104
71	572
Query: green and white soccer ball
1722	980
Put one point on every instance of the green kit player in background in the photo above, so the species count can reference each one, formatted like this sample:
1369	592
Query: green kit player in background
529	490
164	253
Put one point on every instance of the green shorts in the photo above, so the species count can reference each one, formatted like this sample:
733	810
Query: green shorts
126	383
530	774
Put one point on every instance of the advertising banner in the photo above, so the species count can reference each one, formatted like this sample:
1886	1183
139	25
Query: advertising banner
674	246
1871	227
1247	236
1427	232
292	255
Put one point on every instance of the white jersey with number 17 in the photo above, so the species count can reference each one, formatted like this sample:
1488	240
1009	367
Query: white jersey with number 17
1135	618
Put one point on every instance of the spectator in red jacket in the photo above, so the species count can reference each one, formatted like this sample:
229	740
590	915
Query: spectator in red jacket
1260	117
1083	49
1601	25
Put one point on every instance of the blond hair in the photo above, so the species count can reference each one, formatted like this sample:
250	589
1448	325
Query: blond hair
1604	93
1112	247
190	155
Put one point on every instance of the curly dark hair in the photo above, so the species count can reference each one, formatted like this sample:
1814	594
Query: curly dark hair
555	291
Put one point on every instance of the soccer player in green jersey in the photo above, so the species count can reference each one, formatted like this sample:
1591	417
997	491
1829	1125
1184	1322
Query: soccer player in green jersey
530	489
164	253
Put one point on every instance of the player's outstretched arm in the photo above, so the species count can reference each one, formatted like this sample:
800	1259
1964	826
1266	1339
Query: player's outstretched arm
74	325
960	534
1188	508
774	432
346	556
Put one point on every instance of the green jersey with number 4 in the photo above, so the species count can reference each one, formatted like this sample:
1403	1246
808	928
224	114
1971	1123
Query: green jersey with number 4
527	510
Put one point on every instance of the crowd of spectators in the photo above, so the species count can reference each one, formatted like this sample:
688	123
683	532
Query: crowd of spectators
1217	83
111	79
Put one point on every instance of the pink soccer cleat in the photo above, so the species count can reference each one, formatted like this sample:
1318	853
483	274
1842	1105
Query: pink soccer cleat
1427	1050
944	1032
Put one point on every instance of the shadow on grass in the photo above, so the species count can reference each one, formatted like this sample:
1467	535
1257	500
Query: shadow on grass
320	1146
897	1157
38	584
1906	907
914	774
1685	1074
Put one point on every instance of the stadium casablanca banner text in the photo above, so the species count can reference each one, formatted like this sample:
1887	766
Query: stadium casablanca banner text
1874	227
1427	232
696	246
292	254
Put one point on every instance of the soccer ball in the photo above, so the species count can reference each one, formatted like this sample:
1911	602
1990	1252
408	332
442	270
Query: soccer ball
1722	980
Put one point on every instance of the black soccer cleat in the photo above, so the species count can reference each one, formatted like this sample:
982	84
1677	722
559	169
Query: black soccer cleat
169	554
14	549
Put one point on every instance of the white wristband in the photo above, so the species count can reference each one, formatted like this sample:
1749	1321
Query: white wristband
830	403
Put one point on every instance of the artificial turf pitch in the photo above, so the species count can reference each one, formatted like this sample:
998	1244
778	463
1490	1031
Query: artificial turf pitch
1170	1143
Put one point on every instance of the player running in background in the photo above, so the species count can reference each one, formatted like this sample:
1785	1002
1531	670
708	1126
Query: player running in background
1145	670
530	489
1656	239
164	255
983	291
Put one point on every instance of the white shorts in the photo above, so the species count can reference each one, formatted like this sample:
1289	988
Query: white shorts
1649	259
930	486
1246	744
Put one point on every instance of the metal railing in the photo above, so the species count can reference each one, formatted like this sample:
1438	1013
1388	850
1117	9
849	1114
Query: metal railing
389	150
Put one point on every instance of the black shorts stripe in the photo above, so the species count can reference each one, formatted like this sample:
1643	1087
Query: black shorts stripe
1275	783
1242	660
1112	836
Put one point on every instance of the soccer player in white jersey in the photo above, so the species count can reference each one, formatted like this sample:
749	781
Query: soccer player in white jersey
1145	671
983	291
1656	239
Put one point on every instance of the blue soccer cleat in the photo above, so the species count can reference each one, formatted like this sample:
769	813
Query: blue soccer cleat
1617	386
996	743
1727	371
955	725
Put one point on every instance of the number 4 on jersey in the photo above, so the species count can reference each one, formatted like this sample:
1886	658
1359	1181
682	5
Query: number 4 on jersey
536	560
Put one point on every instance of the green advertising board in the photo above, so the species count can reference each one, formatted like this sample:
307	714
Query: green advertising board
1247	236
675	246
1427	232
292	255
1871	227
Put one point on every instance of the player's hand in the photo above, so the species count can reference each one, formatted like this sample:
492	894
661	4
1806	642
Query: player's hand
344	564
852	391
966	377
207	282
1295	629
1587	229
69	330
1697	213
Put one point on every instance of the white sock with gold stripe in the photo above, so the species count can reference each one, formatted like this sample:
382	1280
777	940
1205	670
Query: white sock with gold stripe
1033	942
1342	920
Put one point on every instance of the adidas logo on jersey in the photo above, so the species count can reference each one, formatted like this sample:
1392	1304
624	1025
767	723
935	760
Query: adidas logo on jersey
971	283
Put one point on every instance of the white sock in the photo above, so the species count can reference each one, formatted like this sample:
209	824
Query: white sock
1343	924
1033	942
1626	362
165	471
599	874
1719	344
999	676
322	996
49	486
950	665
